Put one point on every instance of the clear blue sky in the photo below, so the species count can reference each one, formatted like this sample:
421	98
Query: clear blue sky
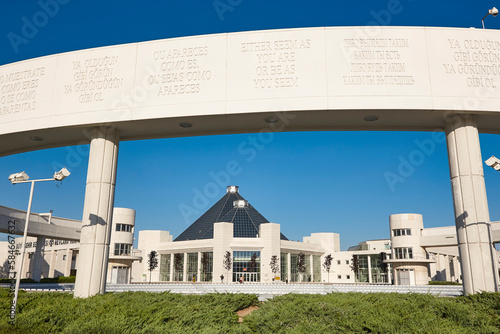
307	182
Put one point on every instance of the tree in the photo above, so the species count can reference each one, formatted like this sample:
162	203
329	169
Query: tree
228	262
355	265
301	264
178	262
252	264
152	262
205	261
327	264
275	265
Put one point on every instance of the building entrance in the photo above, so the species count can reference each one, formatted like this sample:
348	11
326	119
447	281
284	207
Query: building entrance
247	277
119	275
406	276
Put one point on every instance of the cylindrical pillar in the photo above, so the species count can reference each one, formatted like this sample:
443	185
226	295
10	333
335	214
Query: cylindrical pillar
199	268
67	264
171	267
184	269
472	220
52	263
369	261
311	267
289	267
97	213
38	259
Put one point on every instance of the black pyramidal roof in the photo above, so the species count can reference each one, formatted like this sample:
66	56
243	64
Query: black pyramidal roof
231	208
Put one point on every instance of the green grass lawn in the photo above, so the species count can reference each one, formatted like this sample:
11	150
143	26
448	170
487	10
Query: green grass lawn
140	312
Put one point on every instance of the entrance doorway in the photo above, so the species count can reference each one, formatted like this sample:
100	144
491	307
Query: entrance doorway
406	276
119	275
248	277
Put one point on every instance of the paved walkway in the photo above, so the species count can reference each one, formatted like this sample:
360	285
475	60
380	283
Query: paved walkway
265	291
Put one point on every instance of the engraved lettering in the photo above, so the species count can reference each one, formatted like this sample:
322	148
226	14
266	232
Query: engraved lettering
475	62
92	78
380	56
180	71
18	90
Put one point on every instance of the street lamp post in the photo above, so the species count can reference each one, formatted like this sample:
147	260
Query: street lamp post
24	178
493	12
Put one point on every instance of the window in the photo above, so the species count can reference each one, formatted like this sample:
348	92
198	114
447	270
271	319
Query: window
192	266
338	261
401	231
317	268
122	249
64	257
347	262
123	228
179	267
339	276
207	266
246	264
165	267
348	277
403	253
284	267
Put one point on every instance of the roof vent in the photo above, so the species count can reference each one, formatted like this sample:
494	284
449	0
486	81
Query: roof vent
232	189
240	204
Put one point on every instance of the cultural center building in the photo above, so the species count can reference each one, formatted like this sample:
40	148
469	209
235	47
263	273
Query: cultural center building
258	251
232	239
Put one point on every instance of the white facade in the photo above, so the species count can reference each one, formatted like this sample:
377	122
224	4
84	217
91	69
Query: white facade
413	255
420	255
268	244
60	257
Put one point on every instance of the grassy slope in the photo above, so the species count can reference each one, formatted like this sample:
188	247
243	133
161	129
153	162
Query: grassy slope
137	312
141	312
378	313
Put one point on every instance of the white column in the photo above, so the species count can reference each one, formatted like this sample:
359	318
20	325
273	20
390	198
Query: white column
171	267
38	259
97	213
199	267
52	264
223	235
27	265
289	266
67	264
477	255
311	266
369	268
270	236
184	269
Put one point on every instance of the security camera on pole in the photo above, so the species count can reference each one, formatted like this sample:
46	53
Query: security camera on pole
493	162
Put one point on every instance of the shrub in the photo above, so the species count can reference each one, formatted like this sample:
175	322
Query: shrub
128	312
443	283
143	312
23	280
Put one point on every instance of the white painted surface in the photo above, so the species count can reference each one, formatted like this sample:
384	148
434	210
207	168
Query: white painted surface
335	75
472	219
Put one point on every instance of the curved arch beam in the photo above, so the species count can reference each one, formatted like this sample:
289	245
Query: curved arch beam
335	78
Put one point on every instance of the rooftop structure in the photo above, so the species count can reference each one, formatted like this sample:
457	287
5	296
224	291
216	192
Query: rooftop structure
231	208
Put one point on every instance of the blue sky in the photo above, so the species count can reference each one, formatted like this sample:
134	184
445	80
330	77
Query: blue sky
307	182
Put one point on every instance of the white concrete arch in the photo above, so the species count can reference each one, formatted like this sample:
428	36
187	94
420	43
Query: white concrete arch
325	78
331	78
